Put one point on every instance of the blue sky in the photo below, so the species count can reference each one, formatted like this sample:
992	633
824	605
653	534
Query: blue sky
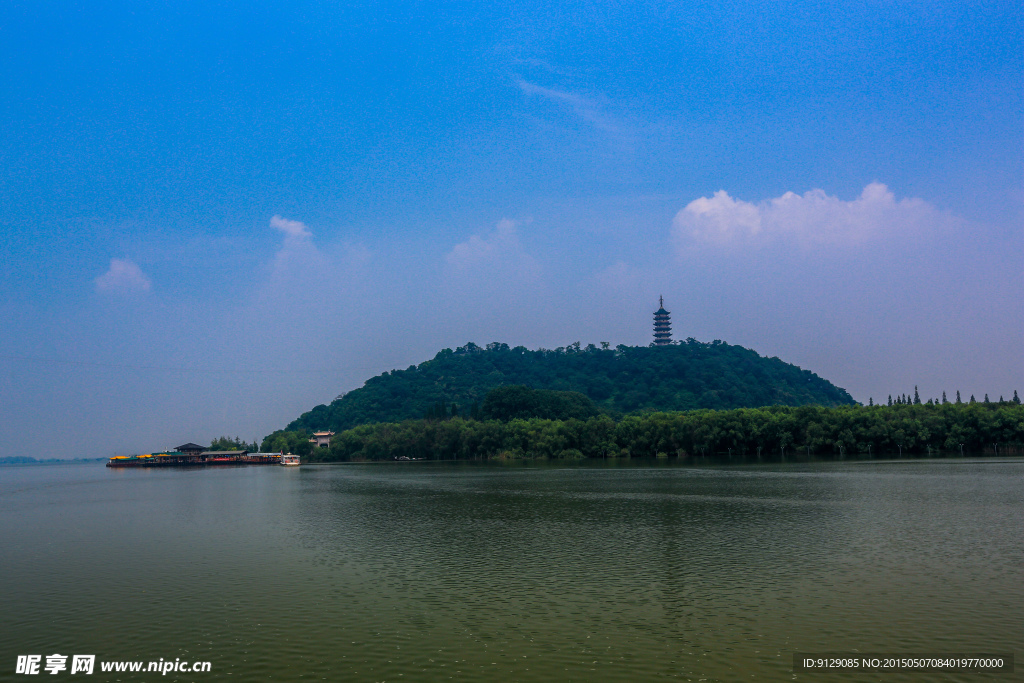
218	215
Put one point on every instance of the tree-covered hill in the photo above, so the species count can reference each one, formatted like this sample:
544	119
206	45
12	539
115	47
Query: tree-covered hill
519	402
683	376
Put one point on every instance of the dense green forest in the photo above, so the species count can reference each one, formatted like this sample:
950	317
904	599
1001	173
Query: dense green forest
683	376
523	402
772	433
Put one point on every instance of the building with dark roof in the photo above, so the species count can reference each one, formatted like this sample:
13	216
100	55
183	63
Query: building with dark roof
190	448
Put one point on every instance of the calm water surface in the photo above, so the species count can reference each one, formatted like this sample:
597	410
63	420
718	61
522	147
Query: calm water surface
432	571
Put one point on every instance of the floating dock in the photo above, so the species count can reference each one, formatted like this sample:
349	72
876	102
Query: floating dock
195	458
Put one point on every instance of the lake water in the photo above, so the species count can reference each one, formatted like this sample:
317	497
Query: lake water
469	572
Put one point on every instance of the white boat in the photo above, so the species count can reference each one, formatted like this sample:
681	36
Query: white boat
288	459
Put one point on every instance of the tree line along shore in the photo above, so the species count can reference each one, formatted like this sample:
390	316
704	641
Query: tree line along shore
566	427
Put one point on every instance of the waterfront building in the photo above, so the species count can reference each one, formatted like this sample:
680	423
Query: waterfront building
176	458
321	439
662	325
225	457
191	449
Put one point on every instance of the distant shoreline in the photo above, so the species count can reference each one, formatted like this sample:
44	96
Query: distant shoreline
25	460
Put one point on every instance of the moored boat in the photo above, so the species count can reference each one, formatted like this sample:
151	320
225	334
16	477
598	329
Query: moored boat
290	459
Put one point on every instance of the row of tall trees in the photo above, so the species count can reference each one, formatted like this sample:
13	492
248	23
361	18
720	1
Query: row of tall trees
905	399
767	433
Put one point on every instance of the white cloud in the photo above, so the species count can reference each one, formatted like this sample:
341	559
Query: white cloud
492	288
613	130
719	218
298	258
584	107
813	218
498	248
290	228
299	262
123	276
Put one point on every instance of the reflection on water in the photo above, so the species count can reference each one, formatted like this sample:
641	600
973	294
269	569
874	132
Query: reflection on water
435	571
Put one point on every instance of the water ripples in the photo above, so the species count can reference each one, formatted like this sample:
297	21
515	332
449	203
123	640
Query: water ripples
435	571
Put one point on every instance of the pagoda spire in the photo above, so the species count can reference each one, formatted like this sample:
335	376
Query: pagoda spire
662	325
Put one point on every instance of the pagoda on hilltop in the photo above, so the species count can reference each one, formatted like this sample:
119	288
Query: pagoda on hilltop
662	325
